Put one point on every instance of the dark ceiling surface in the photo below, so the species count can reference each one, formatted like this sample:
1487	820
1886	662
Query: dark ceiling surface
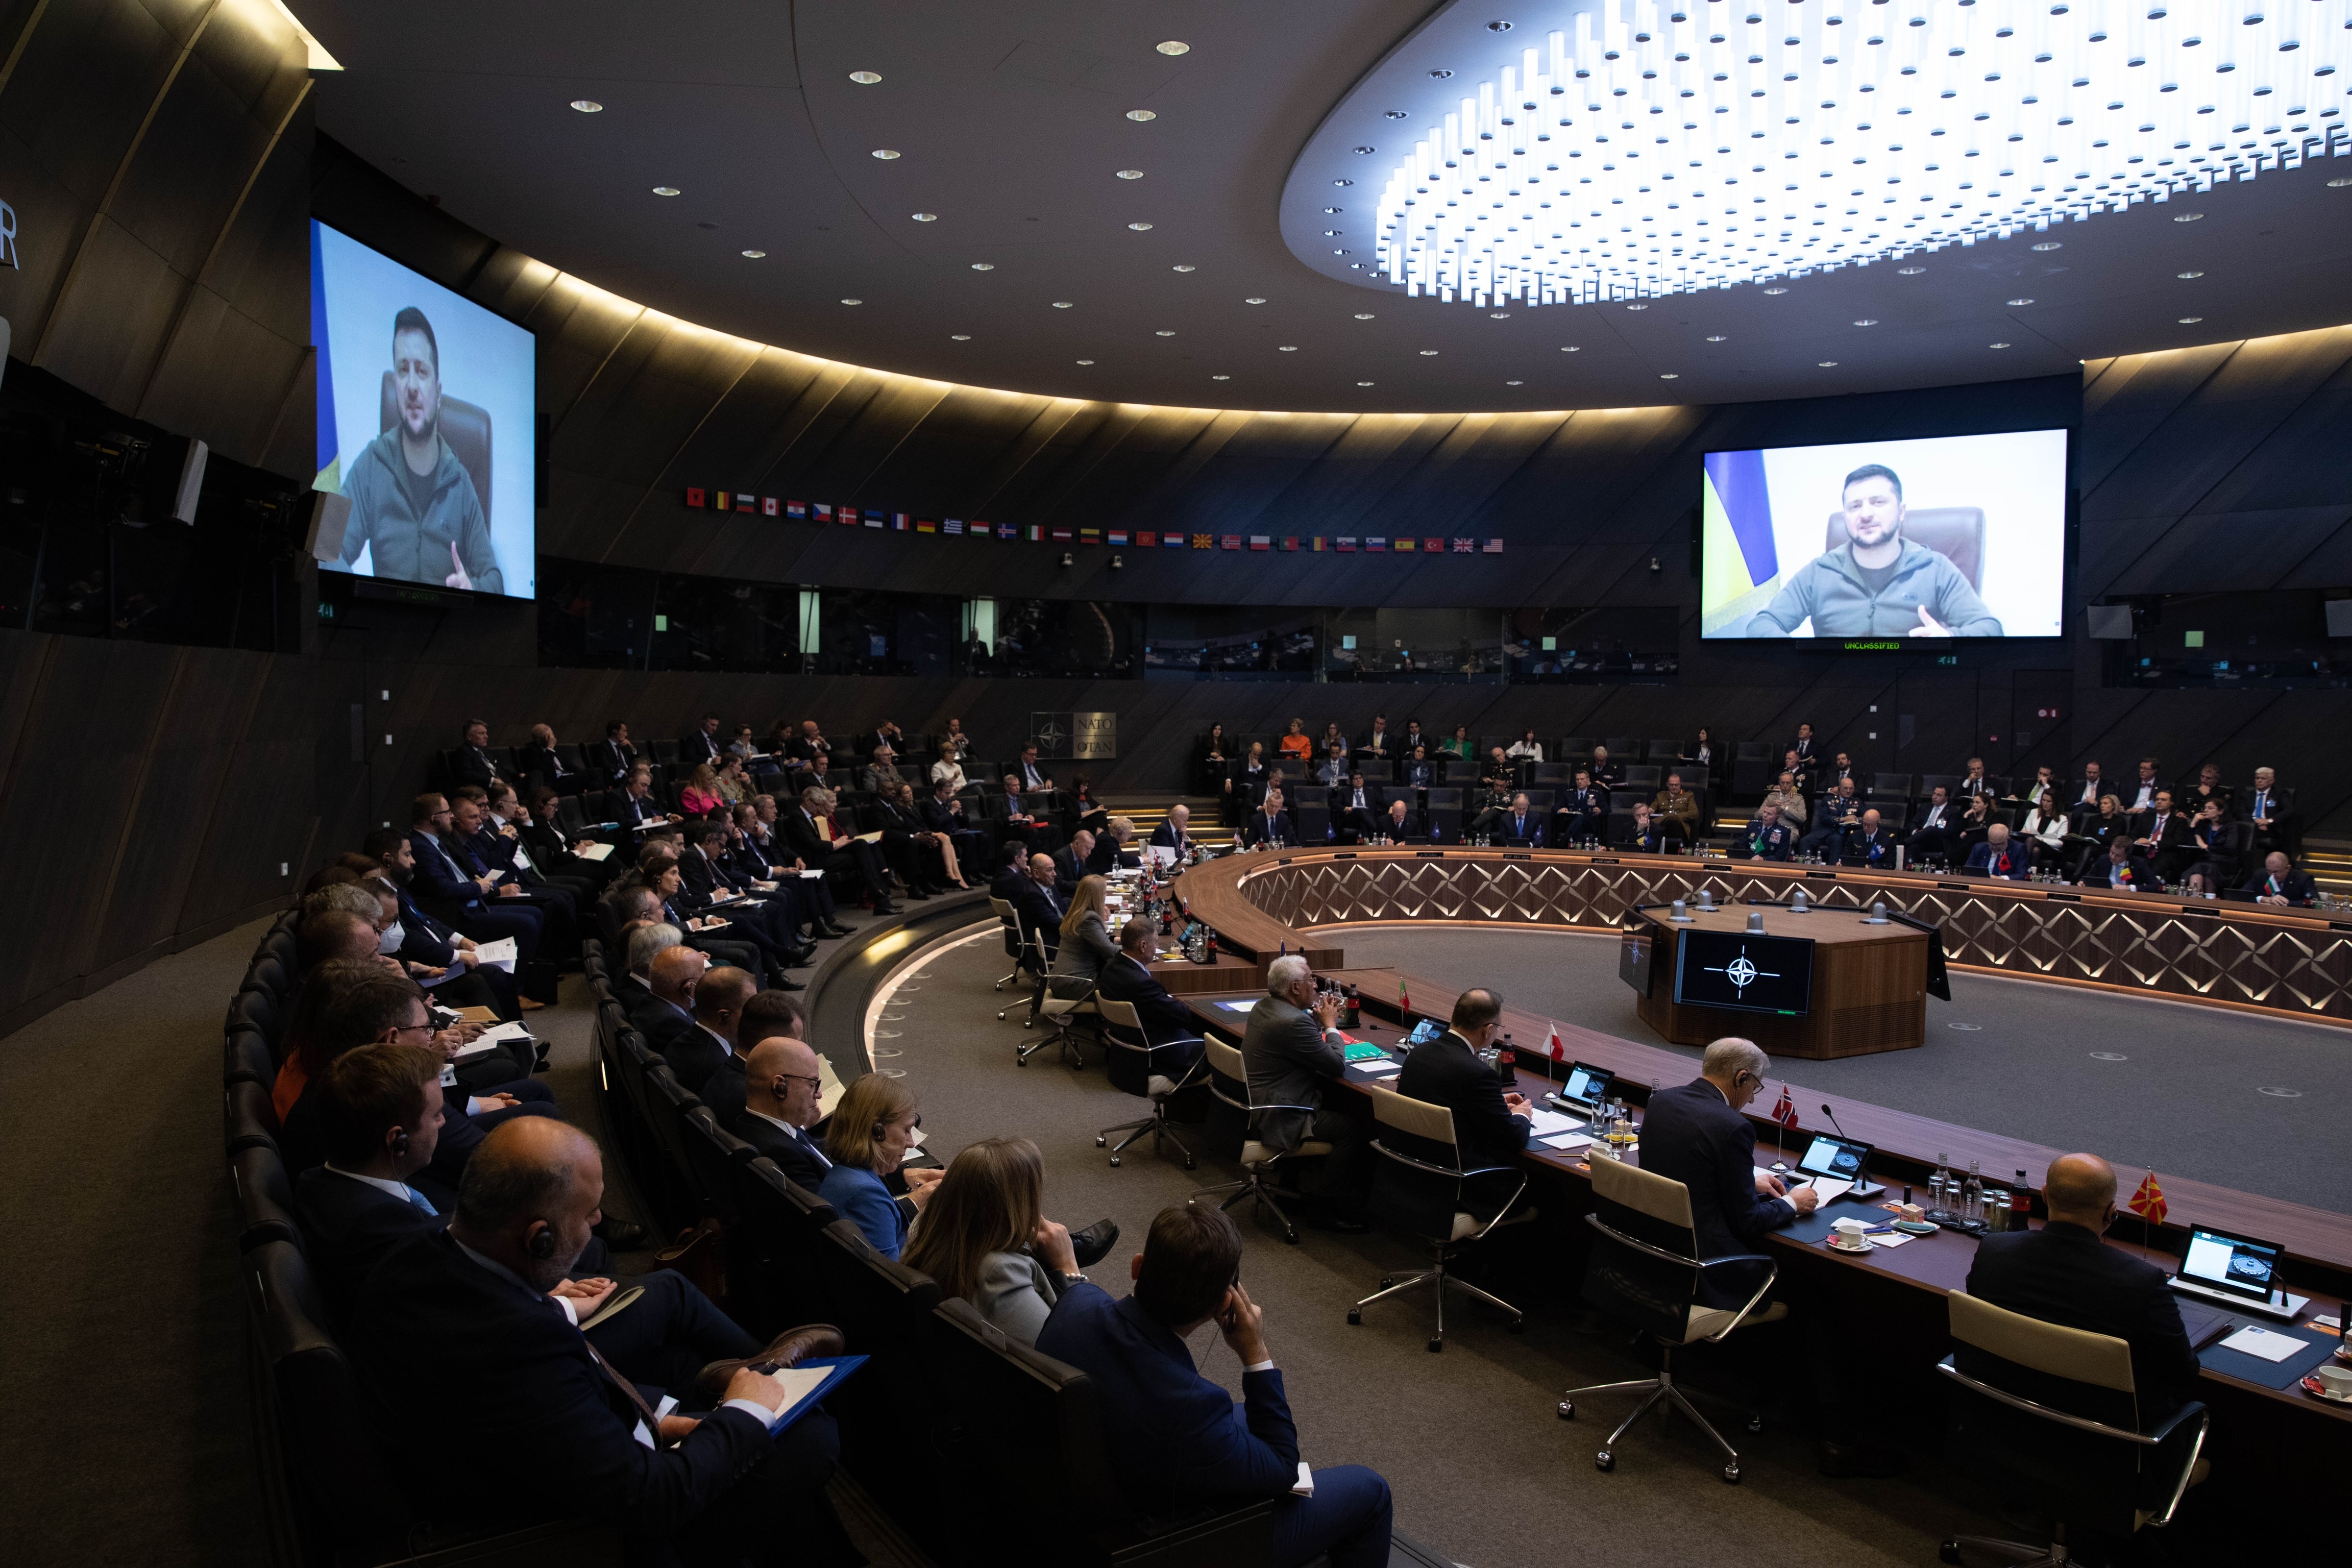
1010	119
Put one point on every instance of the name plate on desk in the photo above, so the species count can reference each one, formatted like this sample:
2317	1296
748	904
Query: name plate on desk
1820	875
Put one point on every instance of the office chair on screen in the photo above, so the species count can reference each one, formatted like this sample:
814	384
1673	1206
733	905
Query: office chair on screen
1432	1201
1647	1271
2050	1415
1258	1161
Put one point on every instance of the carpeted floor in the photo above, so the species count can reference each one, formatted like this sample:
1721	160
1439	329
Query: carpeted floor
1483	1468
2012	1057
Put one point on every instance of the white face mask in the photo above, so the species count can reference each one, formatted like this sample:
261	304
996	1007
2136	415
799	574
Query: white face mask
389	942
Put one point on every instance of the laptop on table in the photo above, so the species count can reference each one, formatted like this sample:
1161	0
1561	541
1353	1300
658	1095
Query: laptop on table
2237	1271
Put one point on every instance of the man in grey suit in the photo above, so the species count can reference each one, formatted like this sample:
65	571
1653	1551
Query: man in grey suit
1288	1051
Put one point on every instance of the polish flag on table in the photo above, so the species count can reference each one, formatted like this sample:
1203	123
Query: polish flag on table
1556	1047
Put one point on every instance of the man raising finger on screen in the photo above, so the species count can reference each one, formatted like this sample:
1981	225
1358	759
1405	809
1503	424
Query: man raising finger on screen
1877	584
412	500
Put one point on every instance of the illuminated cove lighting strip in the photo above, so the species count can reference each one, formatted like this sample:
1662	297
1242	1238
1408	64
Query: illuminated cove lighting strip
1700	143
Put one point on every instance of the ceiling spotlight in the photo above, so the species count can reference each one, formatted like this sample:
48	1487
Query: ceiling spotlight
853	302
1669	376
1221	378
1287	349
1394	114
1343	182
1130	173
587	105
1499	315
1085	362
2187	217
960	337
1910	271
1139	228
1333	209
2190	320
1163	333
1183	266
1140	115
2188	275
1715	339
1173	48
888	154
1776	291
755	255
664	190
1996	345
865	79
1363	384
1254	299
1365	152
1867	321
1573	349
1441	74
1064	304
1637	307
1363	315
1498	26
2051	245
983	267
925	218
1515	383
2332	185
2021	302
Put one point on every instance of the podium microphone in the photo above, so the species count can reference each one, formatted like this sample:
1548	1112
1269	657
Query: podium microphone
1864	1187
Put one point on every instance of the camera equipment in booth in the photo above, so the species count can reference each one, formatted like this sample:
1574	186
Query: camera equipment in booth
1074	737
702	498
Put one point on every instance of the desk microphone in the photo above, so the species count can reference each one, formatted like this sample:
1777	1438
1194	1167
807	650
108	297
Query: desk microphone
1864	1187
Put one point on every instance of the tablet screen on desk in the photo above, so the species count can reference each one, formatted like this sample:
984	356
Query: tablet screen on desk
1835	1157
2238	1264
1586	1084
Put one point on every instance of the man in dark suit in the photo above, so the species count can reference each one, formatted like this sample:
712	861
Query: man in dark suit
1270	823
1641	831
426	939
1030	772
637	812
370	1193
944	813
543	765
1521	825
1835	815
1037	898
1400	823
485	856
1173	1439
1807	757
2271	810
781	1081
613	756
2121	871
1997	856
668	1024
1605	774
1378	743
448	890
504	833
1127	978
2061	1274
710	880
699	1053
701	744
2281	884
2163	840
1013	871
1070	862
1938	828
568	1433
1175	833
543	833
1694	1133
815	836
470	763
1490	1123
1580	812
1355	811
1289	1051
1870	845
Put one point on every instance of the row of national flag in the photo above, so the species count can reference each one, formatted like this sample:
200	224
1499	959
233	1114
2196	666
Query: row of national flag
701	498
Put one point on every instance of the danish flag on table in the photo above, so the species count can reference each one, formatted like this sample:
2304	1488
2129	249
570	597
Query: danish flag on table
2148	1200
1556	1047
1783	1111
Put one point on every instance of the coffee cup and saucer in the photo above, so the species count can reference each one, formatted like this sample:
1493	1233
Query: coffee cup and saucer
1847	1236
2331	1382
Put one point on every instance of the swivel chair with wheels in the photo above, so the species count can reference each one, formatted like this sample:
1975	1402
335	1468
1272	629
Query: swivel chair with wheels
1433	1201
1134	1065
1064	1013
1229	1082
1028	956
2050	1416
1645	1269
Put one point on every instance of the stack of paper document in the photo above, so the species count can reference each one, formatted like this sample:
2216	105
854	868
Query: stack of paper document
587	851
500	955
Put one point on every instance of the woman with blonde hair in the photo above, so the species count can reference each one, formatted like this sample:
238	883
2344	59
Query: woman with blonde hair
871	1130
1294	743
700	797
984	1236
1116	842
1085	945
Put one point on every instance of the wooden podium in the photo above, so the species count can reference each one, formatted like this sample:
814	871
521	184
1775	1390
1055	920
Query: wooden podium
1869	983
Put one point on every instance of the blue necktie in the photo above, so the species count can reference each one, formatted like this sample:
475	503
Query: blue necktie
418	1199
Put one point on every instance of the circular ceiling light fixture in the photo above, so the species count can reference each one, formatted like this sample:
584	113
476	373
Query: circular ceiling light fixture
1221	378
1139	228
1395	114
2188	275
1130	173
1515	383
1670	375
1254	299
1572	348
865	79
2051	245
888	154
755	255
1287	349
1183	266
1910	271
960	337
1996	345
1140	115
1363	384
1867	321
2015	302
1776	291
1829	364
925	218
853	302
1173	47
983	267
1440	74
2332	185
1064	304
1363	315
587	105
664	190
1717	337
1500	315
1163	333
1637	307
1586	129
2190	320
1085	362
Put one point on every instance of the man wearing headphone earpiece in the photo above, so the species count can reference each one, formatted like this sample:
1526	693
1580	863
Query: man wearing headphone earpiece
681	1460
1694	1133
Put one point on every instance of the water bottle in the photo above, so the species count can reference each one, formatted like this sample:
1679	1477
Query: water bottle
1972	1196
1939	1188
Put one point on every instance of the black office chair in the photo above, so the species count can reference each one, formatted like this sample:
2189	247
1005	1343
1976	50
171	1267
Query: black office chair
1434	1202
2050	1417
1133	1064
1647	1270
1228	1083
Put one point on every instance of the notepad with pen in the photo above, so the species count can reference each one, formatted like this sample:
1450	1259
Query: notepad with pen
1364	1051
806	1385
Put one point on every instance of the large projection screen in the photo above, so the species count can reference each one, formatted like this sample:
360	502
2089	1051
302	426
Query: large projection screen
1869	540
427	425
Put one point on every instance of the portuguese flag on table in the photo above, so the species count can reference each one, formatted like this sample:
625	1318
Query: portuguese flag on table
1404	997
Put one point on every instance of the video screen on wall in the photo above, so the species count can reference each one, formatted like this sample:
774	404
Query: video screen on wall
427	425
1959	536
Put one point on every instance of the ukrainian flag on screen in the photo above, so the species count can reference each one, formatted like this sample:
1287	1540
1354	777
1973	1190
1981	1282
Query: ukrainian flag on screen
331	462
1739	571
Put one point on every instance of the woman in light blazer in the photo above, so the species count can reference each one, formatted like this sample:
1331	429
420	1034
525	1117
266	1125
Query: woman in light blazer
1085	945
985	1238
866	1140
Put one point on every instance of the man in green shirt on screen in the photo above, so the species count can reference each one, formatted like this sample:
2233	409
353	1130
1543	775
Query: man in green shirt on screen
1877	584
410	498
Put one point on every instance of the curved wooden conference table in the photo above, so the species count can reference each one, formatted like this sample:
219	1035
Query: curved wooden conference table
2285	963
